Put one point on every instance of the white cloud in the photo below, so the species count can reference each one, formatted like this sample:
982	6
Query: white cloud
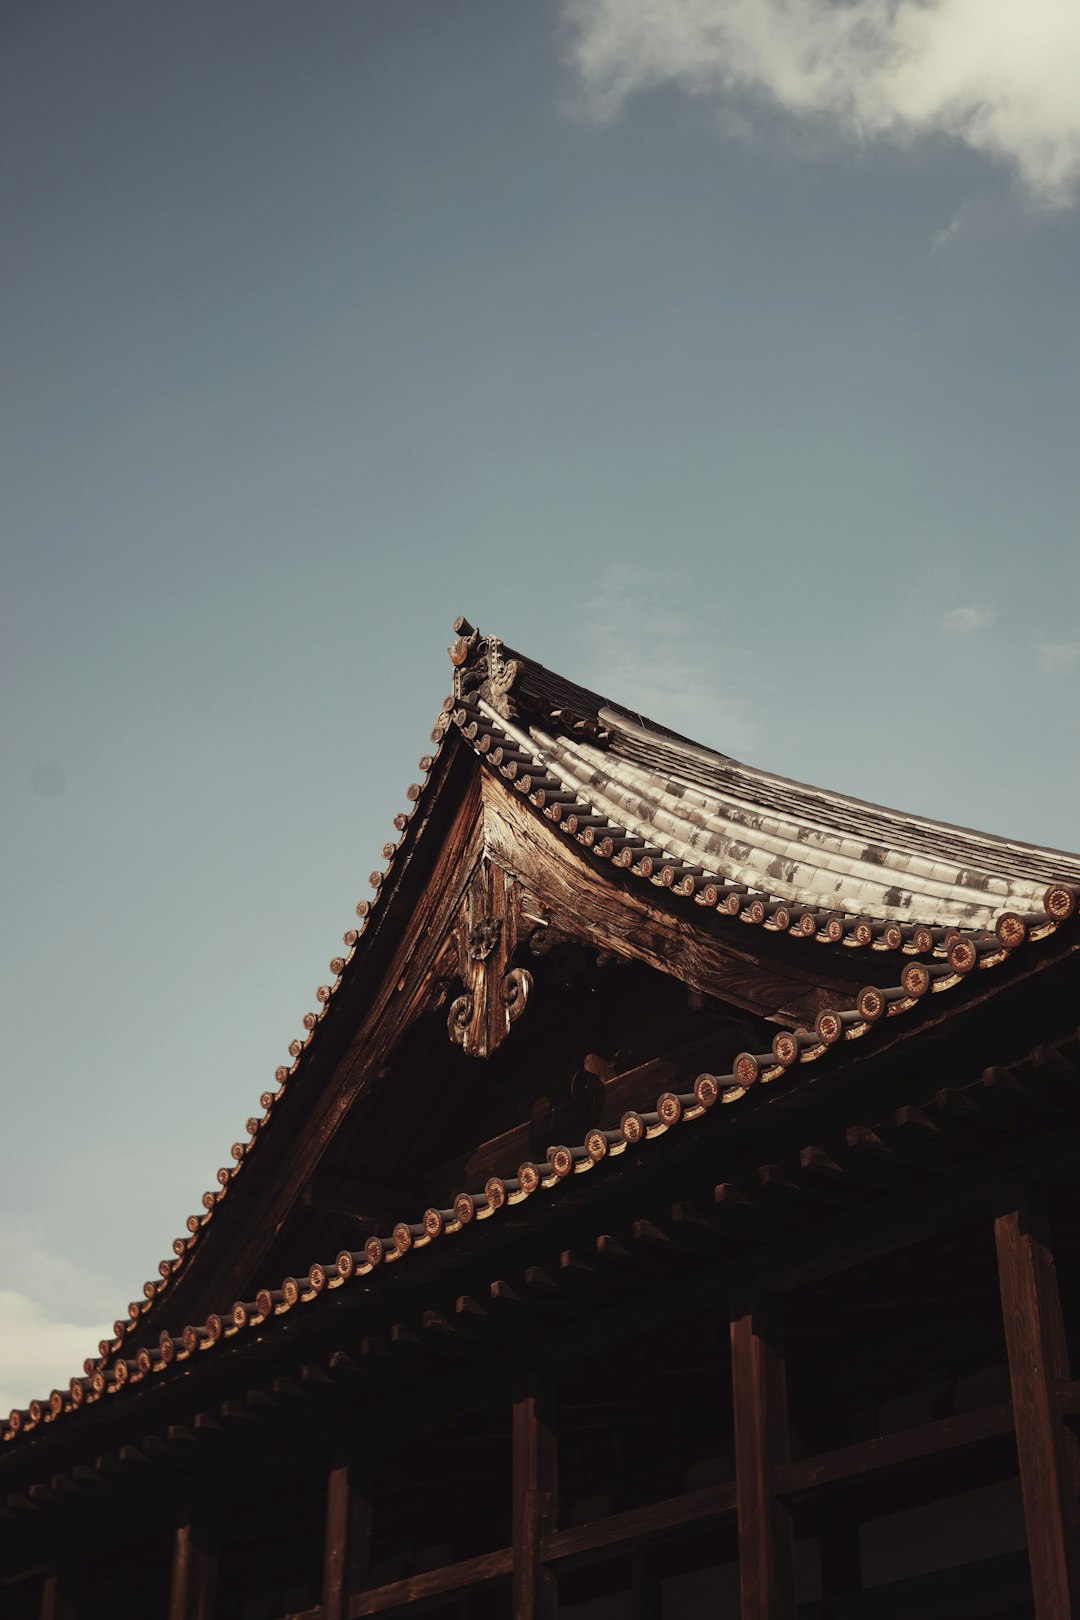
965	621
37	1354
669	663
1058	657
50	1276
1000	76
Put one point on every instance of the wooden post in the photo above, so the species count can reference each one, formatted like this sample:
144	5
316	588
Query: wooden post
1038	1362
57	1598
194	1572
535	1589
347	1548
766	1558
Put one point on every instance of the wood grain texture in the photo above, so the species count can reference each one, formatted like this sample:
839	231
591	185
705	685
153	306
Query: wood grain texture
893	1450
58	1600
766	1576
534	1506
194	1573
588	904
1047	1449
451	1578
624	1529
347	1543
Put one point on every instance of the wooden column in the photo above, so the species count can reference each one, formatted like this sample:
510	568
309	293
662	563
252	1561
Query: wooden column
535	1589
194	1572
1038	1362
347	1548
57	1597
766	1573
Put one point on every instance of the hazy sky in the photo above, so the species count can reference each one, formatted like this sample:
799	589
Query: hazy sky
722	354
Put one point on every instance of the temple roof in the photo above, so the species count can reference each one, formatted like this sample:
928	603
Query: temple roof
718	836
781	839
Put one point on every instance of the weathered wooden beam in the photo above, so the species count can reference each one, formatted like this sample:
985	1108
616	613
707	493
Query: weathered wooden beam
899	1220
1031	1101
889	1157
534	1505
543	1291
741	1212
1048	1450
625	1529
450	1578
194	1571
766	1549
953	1137
968	1110
347	1543
803	1195
893	1450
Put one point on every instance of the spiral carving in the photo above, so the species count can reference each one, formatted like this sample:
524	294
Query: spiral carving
514	991
460	1017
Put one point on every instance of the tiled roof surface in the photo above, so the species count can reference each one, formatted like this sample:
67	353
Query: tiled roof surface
781	841
715	833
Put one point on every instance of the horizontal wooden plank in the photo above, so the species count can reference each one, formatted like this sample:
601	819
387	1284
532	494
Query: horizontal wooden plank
892	1450
909	1445
450	1578
712	1502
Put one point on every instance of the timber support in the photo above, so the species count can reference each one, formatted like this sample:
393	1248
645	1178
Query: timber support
1047	1448
766	1574
347	1544
535	1588
194	1571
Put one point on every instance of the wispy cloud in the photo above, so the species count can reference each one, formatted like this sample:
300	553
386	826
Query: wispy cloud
38	1354
649	654
941	239
1000	76
1058	657
965	621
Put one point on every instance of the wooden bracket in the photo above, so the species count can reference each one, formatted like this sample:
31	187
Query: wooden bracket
490	927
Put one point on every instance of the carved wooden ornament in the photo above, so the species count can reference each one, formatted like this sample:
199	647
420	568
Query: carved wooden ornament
487	935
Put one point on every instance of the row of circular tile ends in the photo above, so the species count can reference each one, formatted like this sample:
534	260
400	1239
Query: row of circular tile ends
628	850
789	1048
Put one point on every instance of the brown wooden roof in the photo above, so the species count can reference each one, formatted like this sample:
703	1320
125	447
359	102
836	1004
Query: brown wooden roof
655	808
707	814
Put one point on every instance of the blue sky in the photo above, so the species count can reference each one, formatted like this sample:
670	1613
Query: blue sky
719	355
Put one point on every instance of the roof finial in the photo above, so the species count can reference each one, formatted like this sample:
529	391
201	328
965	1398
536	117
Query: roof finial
481	671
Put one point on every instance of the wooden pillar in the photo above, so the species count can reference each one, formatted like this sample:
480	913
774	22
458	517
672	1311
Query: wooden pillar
347	1547
194	1572
766	1557
534	1506
57	1597
1047	1449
